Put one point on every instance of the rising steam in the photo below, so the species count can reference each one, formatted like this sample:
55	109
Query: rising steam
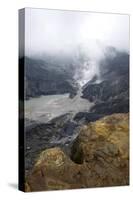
83	36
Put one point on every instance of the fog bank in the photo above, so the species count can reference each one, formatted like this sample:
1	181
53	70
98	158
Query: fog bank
73	34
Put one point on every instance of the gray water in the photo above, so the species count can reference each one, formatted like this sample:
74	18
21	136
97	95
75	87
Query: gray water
44	108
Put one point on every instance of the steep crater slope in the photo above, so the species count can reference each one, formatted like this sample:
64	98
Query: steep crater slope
111	95
45	78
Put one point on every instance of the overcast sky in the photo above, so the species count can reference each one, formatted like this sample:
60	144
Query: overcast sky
54	31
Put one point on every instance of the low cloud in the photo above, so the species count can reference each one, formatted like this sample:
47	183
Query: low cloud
70	33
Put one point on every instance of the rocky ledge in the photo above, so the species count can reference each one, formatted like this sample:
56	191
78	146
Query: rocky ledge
99	157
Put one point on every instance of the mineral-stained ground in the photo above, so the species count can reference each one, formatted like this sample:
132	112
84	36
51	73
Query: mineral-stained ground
99	156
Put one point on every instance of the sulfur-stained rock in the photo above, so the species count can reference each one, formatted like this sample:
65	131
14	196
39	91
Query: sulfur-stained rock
99	157
104	147
27	187
54	170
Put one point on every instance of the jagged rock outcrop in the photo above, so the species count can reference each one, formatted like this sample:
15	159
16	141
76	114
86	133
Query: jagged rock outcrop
60	131
44	78
53	170
99	157
111	95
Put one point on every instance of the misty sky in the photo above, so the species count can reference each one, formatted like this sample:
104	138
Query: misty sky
55	31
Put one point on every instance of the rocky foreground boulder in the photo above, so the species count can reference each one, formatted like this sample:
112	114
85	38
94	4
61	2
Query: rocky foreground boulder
99	157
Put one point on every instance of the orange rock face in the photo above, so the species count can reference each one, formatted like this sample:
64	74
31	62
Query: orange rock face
99	157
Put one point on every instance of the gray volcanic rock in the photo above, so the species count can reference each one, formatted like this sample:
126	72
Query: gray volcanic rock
87	117
111	95
60	131
43	78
